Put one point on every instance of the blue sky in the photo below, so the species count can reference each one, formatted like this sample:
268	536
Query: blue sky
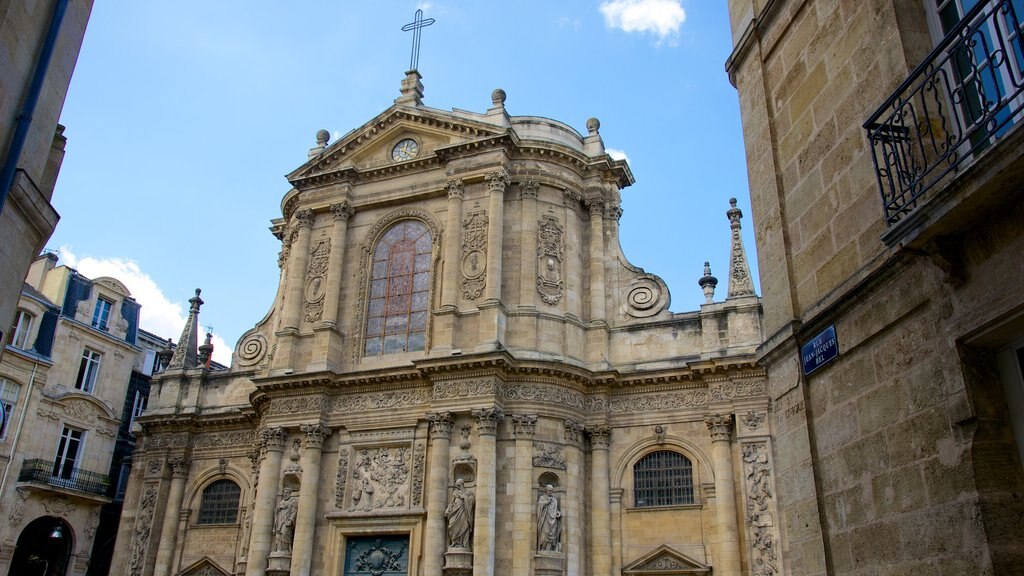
182	118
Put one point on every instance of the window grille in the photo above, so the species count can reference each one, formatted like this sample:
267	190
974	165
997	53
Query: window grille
220	503
663	478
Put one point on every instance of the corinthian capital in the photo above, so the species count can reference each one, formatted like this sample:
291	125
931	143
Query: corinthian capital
272	439
440	424
456	189
315	435
720	427
179	467
528	188
595	206
524	425
496	181
305	217
487	420
600	436
342	210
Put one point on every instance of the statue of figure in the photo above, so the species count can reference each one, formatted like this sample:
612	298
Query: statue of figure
460	517
549	522
284	522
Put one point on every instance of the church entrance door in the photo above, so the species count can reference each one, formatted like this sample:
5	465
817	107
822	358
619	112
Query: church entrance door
377	556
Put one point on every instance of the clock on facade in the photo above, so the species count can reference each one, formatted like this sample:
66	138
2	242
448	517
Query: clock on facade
405	150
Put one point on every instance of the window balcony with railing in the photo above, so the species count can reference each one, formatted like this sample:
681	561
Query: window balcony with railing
955	108
73	479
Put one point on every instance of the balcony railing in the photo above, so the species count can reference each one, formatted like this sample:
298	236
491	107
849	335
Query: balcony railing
958	102
45	472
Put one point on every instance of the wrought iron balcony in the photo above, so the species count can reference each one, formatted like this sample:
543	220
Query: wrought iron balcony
955	105
46	472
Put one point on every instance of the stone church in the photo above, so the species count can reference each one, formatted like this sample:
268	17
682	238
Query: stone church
462	374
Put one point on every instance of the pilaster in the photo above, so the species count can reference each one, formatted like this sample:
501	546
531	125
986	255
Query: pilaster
305	517
486	489
272	442
435	538
726	542
600	527
492	315
523	537
169	528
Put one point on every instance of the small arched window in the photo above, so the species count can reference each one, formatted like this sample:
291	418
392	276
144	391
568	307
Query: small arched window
396	318
663	478
219	504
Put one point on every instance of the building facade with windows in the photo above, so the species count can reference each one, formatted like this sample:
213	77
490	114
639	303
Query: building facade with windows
42	41
884	152
74	373
461	373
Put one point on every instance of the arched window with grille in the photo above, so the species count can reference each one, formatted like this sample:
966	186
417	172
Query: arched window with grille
396	318
219	504
663	478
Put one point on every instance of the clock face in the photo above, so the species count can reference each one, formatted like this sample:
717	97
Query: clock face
405	150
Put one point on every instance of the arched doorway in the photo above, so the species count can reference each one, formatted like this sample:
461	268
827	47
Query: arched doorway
44	548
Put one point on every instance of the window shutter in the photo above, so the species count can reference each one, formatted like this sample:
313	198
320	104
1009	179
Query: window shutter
47	330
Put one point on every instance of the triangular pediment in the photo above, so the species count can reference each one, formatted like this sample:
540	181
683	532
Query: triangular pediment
371	147
204	567
665	561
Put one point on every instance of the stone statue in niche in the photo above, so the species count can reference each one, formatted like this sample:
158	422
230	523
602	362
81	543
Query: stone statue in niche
460	517
284	522
549	522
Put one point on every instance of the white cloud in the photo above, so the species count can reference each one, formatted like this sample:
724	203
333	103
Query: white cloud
566	22
617	154
158	315
660	17
422	5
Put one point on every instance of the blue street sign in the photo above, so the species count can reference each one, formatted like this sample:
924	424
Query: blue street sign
821	350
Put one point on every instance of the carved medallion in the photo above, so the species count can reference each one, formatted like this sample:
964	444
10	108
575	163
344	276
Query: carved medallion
474	254
549	260
316	276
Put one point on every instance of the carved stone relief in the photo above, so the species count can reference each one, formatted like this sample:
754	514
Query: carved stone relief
754	419
646	296
419	456
730	390
548	455
316	279
252	350
463	388
223	439
474	254
19	506
759	508
143	527
59	506
549	260
380	478
351	403
296	405
339	485
673	400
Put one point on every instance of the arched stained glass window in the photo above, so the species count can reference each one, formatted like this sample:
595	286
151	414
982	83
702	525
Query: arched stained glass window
396	318
663	478
220	503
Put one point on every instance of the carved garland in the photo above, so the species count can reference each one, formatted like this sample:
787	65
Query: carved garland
143	527
418	466
550	252
339	485
367	255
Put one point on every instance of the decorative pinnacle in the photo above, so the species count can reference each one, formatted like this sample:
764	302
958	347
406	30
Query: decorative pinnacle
498	97
593	126
740	283
322	137
708	283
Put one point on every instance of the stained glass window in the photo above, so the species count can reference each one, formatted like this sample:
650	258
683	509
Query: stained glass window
663	478
396	317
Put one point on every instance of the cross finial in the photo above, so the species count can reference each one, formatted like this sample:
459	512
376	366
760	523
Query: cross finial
416	25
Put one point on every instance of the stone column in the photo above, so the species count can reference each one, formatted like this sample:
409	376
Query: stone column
573	262
524	541
528	246
573	532
169	529
435	540
298	259
272	446
452	245
496	183
597	299
600	525
726	543
305	516
342	212
486	490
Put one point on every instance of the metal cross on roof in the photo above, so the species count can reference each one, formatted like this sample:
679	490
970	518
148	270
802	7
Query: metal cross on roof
416	25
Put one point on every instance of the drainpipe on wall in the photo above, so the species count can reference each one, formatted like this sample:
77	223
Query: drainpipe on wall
24	119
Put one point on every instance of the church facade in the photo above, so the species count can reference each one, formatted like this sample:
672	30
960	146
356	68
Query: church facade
462	374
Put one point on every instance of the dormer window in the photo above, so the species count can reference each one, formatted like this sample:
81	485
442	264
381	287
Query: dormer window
22	328
101	315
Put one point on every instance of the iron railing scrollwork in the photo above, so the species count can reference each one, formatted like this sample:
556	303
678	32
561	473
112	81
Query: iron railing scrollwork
46	472
964	96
